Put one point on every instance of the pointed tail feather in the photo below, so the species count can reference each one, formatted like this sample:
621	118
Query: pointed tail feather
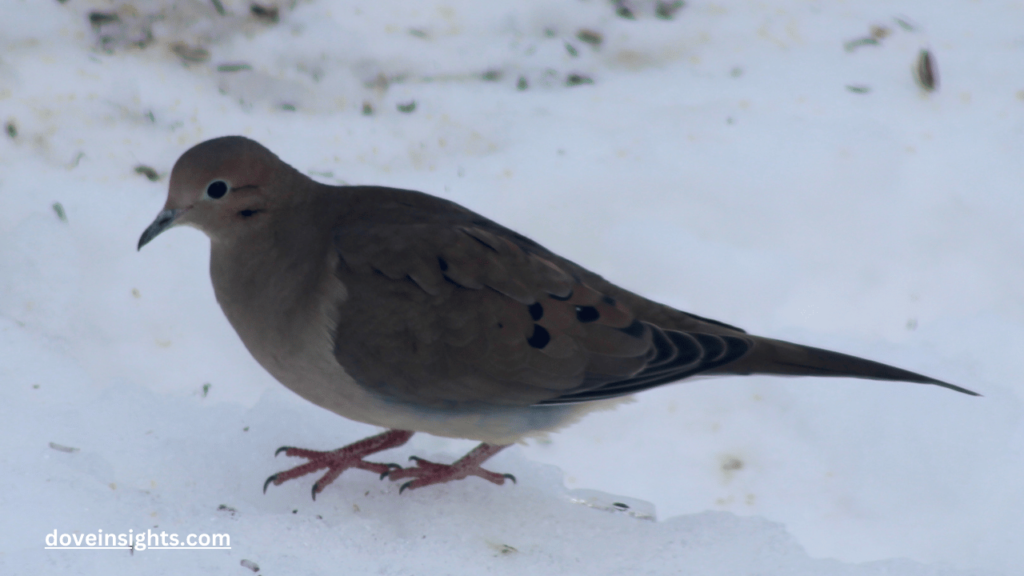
768	356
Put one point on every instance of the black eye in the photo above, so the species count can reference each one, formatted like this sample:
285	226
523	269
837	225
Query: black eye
217	189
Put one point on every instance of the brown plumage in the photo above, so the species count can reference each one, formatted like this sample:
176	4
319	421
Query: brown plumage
407	311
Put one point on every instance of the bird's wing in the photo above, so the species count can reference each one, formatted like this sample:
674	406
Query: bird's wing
446	313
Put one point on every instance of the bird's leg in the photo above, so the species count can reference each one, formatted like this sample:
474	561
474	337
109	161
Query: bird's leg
426	473
337	461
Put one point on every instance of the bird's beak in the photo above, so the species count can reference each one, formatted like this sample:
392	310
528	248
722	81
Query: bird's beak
164	220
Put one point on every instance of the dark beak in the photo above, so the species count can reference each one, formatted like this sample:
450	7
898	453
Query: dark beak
164	220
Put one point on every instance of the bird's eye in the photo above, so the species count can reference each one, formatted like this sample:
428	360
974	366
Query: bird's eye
217	189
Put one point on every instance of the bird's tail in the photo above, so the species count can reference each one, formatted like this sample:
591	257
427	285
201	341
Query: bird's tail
768	356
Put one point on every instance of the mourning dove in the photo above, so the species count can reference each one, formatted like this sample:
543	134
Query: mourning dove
406	311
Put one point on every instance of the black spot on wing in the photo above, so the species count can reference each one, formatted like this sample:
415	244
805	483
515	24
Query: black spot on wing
587	314
540	337
441	262
536	311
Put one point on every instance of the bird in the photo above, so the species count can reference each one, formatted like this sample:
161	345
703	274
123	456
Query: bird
409	312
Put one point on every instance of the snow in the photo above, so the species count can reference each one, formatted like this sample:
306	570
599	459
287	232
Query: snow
718	163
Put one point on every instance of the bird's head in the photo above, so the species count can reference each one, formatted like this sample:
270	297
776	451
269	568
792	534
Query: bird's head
222	187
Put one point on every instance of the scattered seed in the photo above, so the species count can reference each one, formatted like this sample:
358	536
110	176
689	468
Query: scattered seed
246	429
418	32
620	505
233	67
287	106
522	84
623	10
269	13
905	24
11	128
35	386
736	72
58	209
926	72
590	37
193	54
62	448
732	463
98	19
218	7
206	389
571	50
880	32
858	88
226	508
858	42
501	548
250	565
666	9
492	75
578	79
147	172
407	107
367	109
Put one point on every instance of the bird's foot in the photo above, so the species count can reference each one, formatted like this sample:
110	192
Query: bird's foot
337	461
426	473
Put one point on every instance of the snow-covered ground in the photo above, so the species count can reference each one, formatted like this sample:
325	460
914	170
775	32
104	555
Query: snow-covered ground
736	160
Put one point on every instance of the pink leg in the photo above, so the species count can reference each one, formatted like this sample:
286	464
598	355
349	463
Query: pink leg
337	461
427	473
